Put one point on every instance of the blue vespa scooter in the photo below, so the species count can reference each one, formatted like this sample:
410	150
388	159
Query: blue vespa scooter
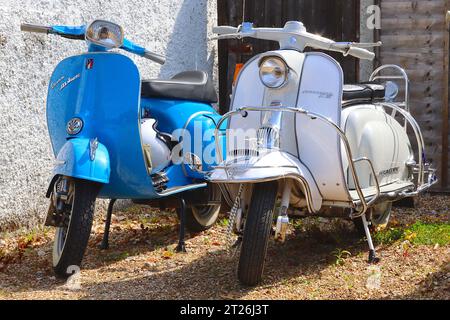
113	137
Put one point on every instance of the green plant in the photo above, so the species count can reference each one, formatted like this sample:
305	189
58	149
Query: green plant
429	234
341	256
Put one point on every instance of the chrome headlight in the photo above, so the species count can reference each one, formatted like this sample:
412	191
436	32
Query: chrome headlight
105	34
273	72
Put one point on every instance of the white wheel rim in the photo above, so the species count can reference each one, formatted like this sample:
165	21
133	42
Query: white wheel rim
59	242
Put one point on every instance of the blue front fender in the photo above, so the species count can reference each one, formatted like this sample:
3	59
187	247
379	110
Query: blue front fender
74	160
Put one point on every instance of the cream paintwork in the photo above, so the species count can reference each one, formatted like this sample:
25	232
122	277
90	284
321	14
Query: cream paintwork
374	134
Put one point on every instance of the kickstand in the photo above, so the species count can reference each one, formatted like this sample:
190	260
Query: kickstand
105	241
372	254
181	244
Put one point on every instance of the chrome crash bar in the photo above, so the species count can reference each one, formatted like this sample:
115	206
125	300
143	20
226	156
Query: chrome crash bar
363	201
421	184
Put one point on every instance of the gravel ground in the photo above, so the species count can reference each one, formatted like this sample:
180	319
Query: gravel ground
322	259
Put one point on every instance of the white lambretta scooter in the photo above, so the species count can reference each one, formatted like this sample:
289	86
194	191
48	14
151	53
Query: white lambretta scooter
296	133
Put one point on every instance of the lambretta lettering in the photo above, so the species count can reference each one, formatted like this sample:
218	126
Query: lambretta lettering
321	94
192	310
389	171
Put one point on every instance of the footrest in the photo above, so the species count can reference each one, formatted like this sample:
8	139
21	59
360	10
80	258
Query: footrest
396	187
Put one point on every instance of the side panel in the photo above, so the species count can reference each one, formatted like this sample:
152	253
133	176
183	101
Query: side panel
103	89
173	116
320	146
375	135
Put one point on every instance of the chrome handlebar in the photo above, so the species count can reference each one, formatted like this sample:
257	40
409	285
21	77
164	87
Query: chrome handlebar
296	39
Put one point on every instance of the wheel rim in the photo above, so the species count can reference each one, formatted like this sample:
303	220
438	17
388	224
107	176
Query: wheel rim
205	214
61	232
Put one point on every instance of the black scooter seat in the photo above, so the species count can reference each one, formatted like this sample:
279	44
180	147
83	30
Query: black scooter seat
188	85
363	92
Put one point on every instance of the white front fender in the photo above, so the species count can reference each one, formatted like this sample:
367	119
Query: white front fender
269	167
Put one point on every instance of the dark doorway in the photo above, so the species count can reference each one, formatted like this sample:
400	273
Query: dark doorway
338	20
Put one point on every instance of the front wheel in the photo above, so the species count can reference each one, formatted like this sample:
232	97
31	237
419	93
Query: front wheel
72	235
256	233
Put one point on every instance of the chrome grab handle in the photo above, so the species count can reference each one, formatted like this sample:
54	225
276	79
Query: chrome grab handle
314	116
403	76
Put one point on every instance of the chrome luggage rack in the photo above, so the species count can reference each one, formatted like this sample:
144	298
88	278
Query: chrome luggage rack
424	174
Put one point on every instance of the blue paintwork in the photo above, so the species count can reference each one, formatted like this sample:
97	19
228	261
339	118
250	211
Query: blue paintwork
107	98
73	160
69	30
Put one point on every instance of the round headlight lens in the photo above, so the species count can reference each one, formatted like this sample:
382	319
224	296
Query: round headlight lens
273	72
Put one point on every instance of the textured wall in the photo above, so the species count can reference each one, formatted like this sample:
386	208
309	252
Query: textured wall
177	28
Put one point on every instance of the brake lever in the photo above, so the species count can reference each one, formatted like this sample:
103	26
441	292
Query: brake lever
363	45
237	36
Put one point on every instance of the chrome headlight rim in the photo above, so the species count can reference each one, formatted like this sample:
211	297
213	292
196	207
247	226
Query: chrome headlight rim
278	66
92	36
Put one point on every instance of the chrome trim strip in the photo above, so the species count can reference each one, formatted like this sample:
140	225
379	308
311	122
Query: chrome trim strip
176	190
299	179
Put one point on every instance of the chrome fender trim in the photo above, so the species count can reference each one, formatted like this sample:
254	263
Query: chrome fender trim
288	167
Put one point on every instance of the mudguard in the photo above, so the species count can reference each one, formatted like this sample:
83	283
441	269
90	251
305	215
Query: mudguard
75	160
270	167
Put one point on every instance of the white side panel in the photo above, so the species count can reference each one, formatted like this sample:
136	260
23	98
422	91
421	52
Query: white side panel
374	134
319	144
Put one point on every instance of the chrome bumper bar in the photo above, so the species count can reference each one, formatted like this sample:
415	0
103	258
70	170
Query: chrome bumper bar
365	204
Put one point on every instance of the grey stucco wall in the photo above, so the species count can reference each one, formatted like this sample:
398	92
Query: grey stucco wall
177	28
365	35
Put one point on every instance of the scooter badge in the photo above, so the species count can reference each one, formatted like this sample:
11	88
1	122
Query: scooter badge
89	64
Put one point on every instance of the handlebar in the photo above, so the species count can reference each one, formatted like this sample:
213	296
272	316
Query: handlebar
295	36
78	33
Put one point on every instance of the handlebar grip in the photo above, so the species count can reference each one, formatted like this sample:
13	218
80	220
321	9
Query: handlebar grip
155	57
35	28
360	53
224	30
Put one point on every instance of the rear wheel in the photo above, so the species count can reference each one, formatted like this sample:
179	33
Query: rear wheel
378	218
73	233
202	217
256	233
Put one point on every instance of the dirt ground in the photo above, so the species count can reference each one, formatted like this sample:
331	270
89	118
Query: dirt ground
322	259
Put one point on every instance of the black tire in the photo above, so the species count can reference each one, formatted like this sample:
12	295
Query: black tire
202	218
257	231
377	219
69	248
